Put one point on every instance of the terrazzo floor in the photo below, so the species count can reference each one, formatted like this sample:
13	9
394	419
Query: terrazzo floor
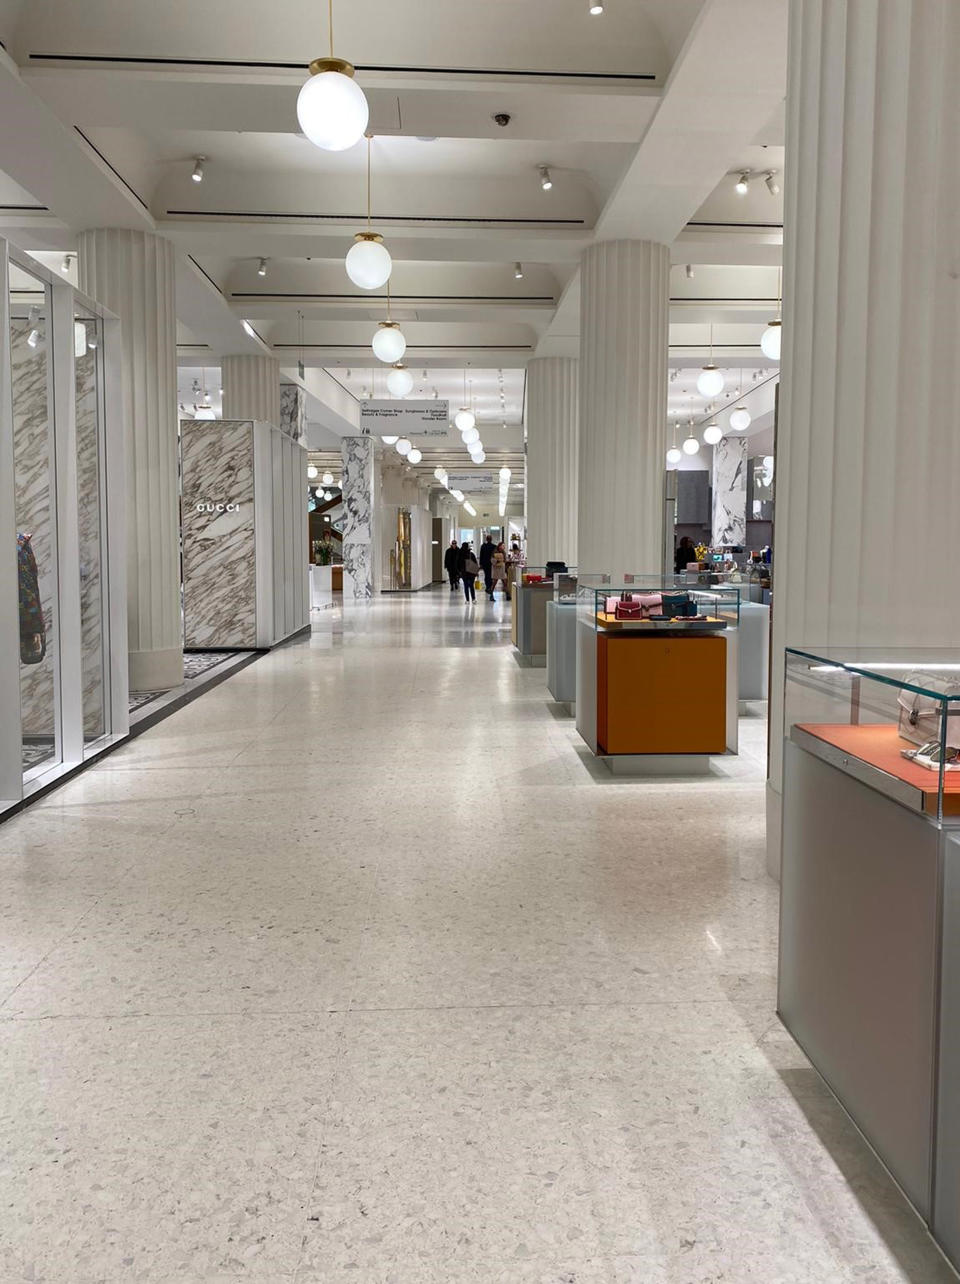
358	969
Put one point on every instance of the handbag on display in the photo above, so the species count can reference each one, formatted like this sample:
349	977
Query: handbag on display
629	611
919	720
678	605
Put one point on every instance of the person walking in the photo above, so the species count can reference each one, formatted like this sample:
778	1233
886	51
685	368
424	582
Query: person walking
451	564
498	571
468	566
487	551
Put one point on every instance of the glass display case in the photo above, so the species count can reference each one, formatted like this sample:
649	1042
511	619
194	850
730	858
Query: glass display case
657	604
891	720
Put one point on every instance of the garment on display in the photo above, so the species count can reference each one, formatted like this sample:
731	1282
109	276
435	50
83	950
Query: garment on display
33	636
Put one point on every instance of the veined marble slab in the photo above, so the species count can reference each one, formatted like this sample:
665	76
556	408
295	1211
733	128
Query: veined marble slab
33	444
293	411
730	491
219	550
359	463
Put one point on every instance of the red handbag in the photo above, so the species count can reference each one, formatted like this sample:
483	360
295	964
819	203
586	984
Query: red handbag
629	611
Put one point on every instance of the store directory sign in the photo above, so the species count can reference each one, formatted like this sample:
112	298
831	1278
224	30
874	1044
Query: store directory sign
405	418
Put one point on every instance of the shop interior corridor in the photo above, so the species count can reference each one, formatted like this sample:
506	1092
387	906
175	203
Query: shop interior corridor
357	970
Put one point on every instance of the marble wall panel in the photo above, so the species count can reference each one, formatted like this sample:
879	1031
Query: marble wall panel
219	550
730	491
359	475
91	552
293	412
33	444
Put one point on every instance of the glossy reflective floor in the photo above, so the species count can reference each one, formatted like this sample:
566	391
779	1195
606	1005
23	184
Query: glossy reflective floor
357	969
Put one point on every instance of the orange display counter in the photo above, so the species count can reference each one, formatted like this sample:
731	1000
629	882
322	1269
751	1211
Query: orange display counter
661	694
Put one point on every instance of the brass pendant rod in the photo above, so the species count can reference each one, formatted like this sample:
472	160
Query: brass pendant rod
331	27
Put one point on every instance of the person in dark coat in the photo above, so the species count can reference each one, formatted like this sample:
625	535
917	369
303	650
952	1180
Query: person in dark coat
487	550
451	564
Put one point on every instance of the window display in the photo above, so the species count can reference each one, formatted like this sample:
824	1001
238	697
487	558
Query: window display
890	719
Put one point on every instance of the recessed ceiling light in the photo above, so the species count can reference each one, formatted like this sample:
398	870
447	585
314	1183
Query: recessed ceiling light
596	6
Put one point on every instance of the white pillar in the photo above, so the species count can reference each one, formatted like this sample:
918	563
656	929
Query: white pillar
251	388
132	274
624	301
868	444
551	418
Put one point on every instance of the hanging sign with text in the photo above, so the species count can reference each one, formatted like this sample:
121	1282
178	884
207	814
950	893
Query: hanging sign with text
406	418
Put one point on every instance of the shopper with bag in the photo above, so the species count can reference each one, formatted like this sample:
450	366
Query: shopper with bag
486	564
498	571
468	566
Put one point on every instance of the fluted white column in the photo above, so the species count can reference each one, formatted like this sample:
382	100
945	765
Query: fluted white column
868	441
624	299
551	418
132	274
251	388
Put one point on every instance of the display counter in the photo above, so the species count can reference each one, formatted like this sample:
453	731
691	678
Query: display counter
869	975
529	624
657	671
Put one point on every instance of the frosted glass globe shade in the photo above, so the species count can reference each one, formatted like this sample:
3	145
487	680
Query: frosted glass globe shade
479	457
470	435
327	479
332	110
404	446
465	419
505	474
389	345
389	441
740	419
205	413
400	382
369	264
414	456
712	434
691	446
770	341
710	382
674	455
768	462
312	471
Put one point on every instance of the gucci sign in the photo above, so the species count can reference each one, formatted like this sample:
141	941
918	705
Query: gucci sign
218	508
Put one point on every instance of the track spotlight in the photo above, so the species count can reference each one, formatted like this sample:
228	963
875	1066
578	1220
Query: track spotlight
197	174
262	268
773	187
689	271
596	6
518	271
65	265
743	183
546	182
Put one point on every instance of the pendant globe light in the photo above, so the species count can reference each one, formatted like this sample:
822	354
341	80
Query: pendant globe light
770	339
740	419
400	381
712	433
710	380
465	419
690	445
368	260
404	446
414	456
332	108
470	435
389	343
674	454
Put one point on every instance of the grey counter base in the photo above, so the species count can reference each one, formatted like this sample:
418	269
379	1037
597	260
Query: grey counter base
530	661
869	978
657	764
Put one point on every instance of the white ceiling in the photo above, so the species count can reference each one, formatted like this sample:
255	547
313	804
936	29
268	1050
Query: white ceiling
642	113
